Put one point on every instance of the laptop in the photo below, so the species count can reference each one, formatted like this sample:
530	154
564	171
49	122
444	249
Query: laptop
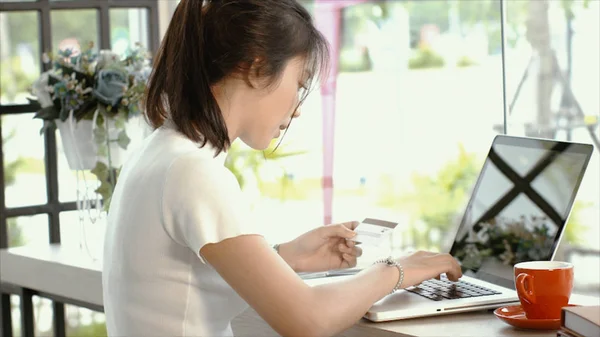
517	212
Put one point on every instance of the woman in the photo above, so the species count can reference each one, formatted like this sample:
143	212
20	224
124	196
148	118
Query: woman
181	257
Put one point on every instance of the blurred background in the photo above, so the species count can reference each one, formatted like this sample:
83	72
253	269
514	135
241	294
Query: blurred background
421	93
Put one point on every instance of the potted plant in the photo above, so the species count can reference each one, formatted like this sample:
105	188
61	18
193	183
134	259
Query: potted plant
90	97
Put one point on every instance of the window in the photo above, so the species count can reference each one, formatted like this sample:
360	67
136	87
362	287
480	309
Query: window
32	206
553	80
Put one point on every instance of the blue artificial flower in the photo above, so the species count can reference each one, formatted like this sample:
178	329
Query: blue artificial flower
110	86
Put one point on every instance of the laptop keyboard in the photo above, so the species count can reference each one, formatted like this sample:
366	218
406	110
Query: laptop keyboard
438	290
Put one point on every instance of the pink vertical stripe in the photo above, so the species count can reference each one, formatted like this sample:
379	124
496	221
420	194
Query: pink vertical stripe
328	20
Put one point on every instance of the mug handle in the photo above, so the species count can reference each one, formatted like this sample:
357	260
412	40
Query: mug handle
524	283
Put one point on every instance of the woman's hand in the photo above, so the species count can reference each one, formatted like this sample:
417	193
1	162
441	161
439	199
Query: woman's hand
322	248
422	266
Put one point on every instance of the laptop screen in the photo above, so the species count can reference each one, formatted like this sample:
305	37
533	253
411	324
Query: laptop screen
519	206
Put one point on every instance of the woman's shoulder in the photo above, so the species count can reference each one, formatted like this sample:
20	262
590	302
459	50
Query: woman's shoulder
199	168
169	146
186	165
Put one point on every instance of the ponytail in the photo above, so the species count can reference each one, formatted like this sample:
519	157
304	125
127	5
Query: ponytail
179	87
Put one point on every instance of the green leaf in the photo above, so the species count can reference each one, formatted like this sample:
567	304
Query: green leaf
100	135
47	113
100	120
123	140
103	150
100	171
49	126
119	123
104	190
89	109
106	205
63	114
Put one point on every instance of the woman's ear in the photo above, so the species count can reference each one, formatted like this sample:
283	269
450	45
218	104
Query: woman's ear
253	75
250	73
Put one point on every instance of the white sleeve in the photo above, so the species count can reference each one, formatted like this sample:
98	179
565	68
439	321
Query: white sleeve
202	203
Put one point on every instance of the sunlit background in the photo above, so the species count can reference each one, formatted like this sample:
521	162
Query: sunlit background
419	99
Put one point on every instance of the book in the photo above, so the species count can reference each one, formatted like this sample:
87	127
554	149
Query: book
583	320
564	332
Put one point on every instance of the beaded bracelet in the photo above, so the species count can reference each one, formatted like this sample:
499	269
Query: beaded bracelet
391	262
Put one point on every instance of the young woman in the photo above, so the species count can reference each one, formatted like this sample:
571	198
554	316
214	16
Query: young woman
181	257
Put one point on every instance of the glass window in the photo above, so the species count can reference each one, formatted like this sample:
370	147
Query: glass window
43	316
19	55
23	151
84	322
80	322
73	28
128	26
409	74
553	80
71	231
28	230
15	302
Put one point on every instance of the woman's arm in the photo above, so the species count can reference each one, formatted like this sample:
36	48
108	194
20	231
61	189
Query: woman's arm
290	306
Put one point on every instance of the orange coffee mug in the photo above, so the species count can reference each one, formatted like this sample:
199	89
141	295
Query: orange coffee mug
544	287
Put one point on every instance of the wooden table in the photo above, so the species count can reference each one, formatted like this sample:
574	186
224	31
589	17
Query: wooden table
69	275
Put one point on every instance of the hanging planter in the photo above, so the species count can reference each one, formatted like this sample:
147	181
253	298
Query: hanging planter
90	98
79	148
85	143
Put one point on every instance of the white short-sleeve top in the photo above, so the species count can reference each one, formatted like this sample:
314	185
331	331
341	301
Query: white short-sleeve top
172	198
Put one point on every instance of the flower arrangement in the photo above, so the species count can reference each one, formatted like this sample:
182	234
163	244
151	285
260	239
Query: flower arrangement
100	88
513	241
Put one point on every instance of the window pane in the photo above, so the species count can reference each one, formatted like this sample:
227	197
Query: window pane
28	230
43	316
410	75
71	231
73	28
19	55
23	149
553	52
128	27
82	322
15	302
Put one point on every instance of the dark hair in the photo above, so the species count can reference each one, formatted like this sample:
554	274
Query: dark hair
205	43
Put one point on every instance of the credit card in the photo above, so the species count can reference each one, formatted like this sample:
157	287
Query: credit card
372	232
